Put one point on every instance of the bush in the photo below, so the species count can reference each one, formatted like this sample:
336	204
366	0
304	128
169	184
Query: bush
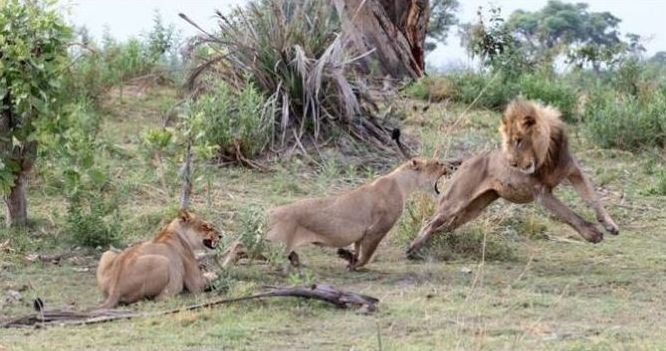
485	90
234	121
466	242
91	221
494	91
291	51
550	90
616	120
81	178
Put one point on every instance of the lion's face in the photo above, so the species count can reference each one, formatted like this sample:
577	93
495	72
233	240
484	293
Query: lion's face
430	171
518	131
204	231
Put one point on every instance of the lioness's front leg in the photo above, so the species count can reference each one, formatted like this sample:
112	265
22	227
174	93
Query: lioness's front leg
193	279
586	229
586	191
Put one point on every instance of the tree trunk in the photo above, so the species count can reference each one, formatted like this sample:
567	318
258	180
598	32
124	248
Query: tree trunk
185	170
17	204
23	156
394	29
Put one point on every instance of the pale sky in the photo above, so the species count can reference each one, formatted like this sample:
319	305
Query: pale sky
131	17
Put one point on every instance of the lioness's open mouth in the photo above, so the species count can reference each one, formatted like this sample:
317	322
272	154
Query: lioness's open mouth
209	243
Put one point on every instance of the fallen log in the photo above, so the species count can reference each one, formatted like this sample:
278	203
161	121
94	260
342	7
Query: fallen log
323	292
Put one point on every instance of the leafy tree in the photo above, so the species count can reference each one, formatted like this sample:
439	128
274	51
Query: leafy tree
658	59
494	44
528	39
542	35
33	56
442	18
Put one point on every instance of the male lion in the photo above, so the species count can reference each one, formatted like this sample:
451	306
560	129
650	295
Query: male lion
534	159
159	268
362	216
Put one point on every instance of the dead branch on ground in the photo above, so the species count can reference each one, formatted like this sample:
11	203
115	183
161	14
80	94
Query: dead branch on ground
323	292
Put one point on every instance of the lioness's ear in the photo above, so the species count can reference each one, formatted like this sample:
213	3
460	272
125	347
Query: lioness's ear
183	215
414	164
528	121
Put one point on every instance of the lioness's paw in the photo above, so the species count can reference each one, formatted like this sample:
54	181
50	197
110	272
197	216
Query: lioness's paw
591	233
347	255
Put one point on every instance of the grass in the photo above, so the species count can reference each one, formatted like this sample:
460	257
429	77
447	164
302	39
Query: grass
560	293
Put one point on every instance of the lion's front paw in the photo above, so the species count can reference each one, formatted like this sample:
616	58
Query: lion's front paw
591	233
610	226
413	253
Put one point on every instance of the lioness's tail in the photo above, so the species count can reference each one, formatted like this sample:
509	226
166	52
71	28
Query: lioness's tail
395	135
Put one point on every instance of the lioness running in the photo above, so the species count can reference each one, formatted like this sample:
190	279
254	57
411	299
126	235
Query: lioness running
362	216
534	159
159	268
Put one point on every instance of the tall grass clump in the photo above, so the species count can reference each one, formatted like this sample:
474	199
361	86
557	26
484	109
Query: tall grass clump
628	122
293	53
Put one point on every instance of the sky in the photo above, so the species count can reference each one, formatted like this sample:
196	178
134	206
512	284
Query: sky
125	18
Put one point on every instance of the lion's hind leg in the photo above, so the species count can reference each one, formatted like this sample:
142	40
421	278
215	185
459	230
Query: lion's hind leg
449	217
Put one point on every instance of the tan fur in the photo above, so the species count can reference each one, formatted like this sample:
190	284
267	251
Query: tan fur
534	159
362	216
159	268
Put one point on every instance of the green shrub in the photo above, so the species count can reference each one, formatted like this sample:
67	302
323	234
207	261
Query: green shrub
485	90
81	177
91	221
235	121
623	121
550	90
494	90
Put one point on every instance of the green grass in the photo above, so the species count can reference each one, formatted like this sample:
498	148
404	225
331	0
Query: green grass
556	292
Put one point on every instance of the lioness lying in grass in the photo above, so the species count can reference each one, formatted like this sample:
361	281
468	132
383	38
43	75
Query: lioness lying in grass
159	268
362	216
